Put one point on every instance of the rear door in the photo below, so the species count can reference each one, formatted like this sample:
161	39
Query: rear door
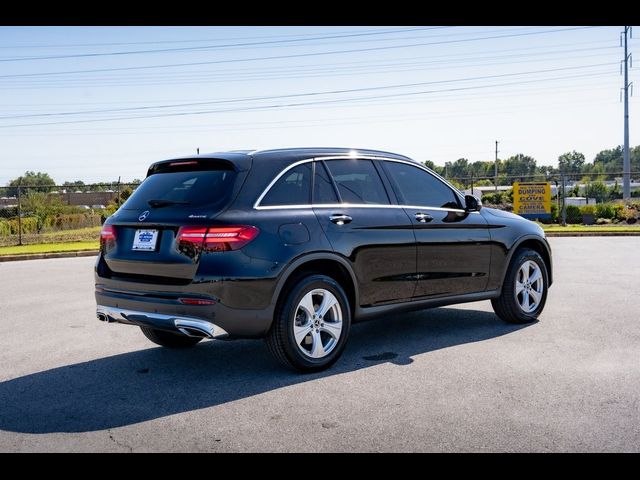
363	223
453	246
182	194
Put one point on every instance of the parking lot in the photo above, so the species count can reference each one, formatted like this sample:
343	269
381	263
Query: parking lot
449	379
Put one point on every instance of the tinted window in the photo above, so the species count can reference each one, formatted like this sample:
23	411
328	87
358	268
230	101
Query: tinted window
293	188
191	189
420	188
358	181
323	191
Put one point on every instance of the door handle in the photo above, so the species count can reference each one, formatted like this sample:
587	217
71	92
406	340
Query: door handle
340	219
423	217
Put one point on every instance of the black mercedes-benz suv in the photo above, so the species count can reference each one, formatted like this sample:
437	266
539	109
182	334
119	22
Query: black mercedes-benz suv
296	244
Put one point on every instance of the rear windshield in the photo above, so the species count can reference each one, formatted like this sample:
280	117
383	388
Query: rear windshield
186	189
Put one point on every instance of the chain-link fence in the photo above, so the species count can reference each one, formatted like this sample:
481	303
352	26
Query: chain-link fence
32	214
576	197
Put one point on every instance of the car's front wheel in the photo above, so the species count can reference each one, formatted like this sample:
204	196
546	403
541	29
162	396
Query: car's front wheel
311	325
524	291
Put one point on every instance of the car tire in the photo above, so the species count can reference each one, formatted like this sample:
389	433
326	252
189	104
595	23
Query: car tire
524	291
311	324
168	339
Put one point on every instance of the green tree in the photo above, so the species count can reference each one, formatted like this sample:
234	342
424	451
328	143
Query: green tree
459	169
76	185
597	190
571	162
429	164
610	159
40	181
520	167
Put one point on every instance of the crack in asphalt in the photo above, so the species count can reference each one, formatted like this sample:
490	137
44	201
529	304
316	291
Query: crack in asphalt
120	444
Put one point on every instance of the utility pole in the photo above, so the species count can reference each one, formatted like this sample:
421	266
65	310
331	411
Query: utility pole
118	197
19	212
626	166
564	200
496	172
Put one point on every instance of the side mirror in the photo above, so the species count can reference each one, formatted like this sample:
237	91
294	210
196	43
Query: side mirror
472	204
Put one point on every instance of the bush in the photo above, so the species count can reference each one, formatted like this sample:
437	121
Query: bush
604	210
554	215
494	198
574	215
75	220
107	212
588	210
603	221
597	190
29	225
618	211
629	215
5	227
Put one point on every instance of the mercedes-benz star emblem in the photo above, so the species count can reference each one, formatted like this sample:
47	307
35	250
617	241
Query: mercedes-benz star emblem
143	216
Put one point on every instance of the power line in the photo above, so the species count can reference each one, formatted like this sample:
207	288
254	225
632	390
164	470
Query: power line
264	107
441	98
212	47
299	55
298	95
288	72
155	42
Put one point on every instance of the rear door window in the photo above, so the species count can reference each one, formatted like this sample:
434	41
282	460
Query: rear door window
323	191
358	181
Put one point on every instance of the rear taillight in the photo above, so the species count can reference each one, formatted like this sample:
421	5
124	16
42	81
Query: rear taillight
217	239
107	235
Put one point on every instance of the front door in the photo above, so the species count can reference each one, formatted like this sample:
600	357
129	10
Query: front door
453	246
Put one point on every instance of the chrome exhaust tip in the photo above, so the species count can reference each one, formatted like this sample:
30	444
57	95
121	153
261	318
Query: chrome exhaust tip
102	316
193	328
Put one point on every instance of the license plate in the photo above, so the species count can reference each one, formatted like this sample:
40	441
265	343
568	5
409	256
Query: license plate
145	240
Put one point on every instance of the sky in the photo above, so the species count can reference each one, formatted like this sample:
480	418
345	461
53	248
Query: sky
98	103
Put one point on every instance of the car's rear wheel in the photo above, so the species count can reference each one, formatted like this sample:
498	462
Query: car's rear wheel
524	291
168	339
311	324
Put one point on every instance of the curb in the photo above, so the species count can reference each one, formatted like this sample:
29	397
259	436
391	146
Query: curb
592	234
91	253
39	256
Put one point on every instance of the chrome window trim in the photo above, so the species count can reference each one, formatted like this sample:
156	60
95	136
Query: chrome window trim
357	205
456	192
257	206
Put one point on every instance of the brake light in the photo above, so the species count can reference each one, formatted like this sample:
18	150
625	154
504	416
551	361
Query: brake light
217	239
229	238
196	301
178	164
192	235
107	235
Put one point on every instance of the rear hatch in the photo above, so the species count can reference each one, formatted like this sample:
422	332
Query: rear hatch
140	241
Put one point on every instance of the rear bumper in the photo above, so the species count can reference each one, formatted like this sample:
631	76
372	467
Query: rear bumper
192	327
163	311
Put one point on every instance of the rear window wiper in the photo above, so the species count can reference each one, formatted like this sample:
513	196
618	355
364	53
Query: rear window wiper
165	203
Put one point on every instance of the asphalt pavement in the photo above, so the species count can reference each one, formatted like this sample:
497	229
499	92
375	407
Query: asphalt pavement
448	379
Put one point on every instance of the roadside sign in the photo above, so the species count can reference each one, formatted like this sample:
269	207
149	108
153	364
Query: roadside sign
532	199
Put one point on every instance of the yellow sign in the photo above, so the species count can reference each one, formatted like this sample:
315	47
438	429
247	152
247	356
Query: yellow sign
532	199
